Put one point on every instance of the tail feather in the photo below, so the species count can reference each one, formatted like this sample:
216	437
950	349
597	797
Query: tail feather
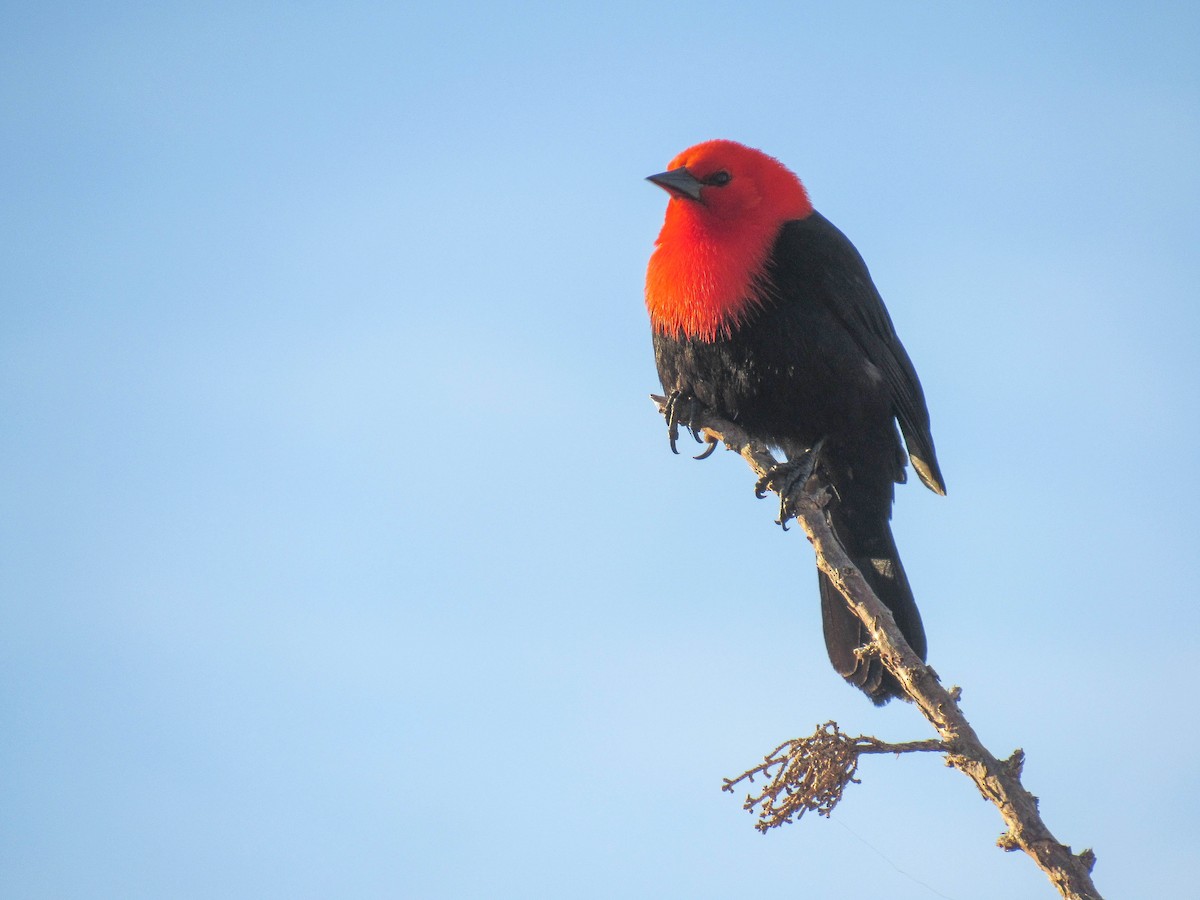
881	567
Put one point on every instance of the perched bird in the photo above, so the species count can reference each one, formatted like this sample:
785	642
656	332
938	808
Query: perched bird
765	313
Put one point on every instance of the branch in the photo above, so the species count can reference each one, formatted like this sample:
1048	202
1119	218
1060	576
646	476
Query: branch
998	781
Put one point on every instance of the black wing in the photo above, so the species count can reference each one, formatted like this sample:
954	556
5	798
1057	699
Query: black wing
846	288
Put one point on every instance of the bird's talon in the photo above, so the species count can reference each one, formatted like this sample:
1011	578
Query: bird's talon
672	414
681	409
762	486
708	451
788	478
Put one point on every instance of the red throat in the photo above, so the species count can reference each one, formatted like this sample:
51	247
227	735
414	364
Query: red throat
705	273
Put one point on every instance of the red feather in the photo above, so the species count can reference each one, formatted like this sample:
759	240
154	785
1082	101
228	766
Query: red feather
704	273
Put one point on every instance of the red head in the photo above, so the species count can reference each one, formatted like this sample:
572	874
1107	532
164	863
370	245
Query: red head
727	205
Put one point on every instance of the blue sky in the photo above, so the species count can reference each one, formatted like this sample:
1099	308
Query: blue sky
343	555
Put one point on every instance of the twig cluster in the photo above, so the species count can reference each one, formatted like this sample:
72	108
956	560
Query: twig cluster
998	781
811	774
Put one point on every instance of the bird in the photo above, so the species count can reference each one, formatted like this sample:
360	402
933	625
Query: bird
764	313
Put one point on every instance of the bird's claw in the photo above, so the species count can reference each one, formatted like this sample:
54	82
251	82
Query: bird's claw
679	408
787	479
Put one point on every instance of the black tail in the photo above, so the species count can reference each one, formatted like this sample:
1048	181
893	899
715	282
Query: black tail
873	550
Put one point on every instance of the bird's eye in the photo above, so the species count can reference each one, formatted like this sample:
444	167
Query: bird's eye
718	179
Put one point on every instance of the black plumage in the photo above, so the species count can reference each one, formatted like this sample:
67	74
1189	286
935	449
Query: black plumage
816	357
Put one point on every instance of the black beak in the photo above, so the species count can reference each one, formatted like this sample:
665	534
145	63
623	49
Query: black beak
678	183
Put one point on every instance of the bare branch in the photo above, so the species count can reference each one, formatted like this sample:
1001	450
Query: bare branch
998	781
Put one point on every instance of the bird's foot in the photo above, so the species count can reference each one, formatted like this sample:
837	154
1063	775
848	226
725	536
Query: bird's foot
682	409
788	479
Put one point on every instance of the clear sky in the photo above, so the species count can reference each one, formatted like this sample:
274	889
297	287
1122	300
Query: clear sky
342	554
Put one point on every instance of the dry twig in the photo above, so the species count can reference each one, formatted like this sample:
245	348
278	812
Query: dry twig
998	781
812	773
